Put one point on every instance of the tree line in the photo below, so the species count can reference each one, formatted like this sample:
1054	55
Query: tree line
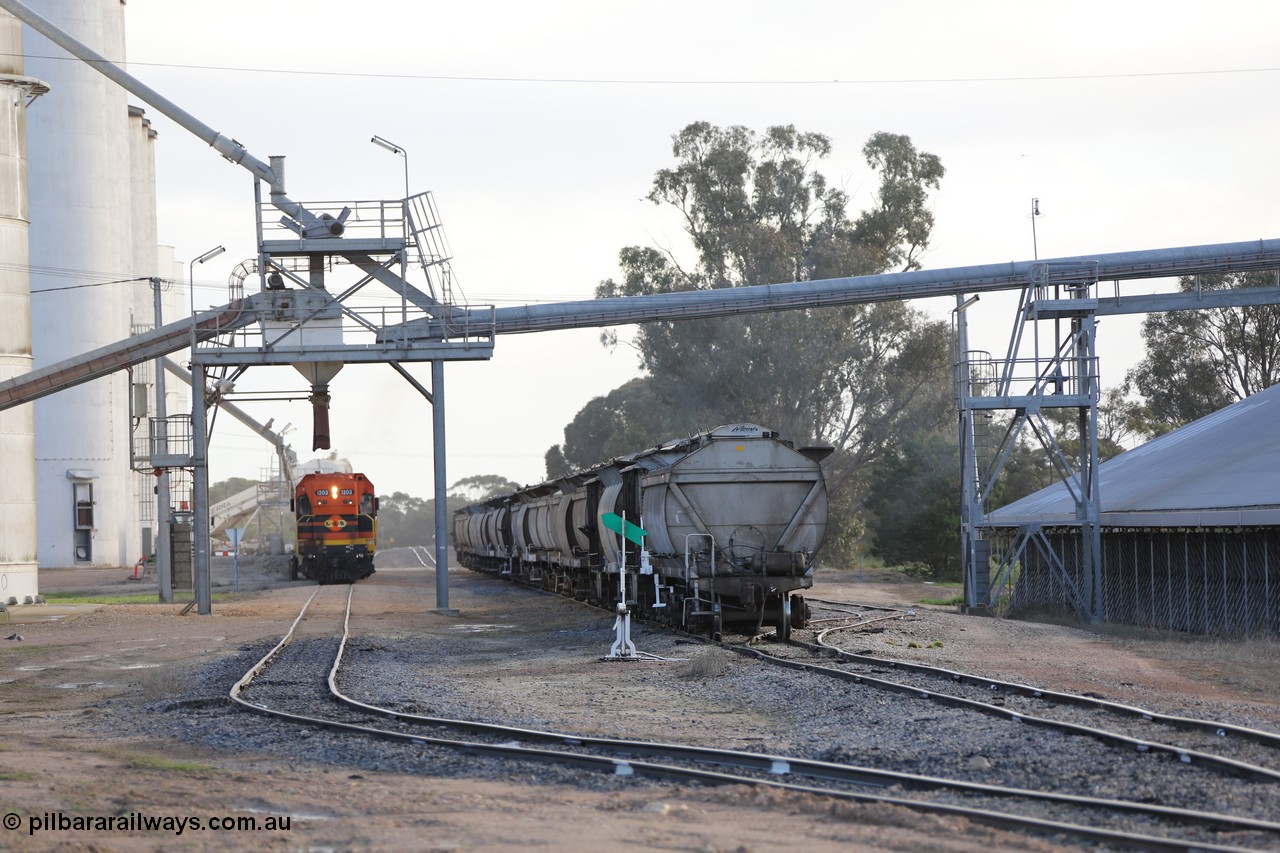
872	381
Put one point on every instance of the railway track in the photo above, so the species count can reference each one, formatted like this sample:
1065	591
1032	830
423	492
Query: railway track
288	684
1242	750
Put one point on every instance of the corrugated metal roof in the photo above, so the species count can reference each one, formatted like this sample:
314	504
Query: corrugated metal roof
1223	469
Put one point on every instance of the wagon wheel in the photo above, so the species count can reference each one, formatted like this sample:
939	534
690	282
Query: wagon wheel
799	612
784	620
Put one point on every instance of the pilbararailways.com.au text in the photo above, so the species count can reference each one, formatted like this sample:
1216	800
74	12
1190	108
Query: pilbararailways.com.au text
141	822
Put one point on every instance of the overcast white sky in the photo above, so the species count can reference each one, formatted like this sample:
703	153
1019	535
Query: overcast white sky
539	127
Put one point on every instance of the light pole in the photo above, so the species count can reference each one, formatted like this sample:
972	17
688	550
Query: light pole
437	418
191	288
199	457
398	150
1035	211
404	206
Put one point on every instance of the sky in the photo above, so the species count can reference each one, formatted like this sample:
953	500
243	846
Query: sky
539	127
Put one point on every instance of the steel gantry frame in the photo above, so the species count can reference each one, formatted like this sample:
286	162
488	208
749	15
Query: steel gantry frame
1065	377
307	327
303	326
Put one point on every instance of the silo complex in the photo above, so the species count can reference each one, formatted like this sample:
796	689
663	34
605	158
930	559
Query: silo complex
145	263
85	277
17	429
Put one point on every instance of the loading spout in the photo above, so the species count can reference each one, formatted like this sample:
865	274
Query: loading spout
320	417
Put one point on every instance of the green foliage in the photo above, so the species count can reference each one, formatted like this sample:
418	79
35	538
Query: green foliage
131	598
224	489
916	570
404	520
757	212
1200	361
482	487
915	495
846	528
623	421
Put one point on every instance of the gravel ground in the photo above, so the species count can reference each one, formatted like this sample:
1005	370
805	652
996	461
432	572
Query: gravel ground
527	664
520	657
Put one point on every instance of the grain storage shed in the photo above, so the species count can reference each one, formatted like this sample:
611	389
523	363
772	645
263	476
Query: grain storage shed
1190	531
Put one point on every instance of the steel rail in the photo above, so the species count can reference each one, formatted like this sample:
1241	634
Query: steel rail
621	767
810	599
1221	729
1183	754
774	764
835	629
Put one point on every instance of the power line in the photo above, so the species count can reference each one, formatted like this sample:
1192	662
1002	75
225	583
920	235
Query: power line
91	284
618	81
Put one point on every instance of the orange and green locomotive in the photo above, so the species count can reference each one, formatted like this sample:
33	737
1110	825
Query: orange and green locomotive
337	518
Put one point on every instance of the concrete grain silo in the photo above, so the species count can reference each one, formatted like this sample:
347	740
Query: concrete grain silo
17	426
142	168
82	257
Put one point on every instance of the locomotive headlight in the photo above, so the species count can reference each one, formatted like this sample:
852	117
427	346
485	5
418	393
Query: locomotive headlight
333	492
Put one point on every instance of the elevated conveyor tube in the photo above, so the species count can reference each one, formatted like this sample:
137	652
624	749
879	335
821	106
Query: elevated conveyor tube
917	284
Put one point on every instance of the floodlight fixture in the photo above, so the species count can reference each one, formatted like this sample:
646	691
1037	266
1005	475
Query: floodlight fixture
387	144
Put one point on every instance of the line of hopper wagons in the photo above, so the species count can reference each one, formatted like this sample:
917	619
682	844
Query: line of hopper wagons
720	531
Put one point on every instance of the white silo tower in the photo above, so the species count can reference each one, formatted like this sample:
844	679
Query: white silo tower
81	241
143	377
18	579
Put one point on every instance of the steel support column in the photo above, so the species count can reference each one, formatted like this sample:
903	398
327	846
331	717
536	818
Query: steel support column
200	490
441	489
1089	511
160	443
974	571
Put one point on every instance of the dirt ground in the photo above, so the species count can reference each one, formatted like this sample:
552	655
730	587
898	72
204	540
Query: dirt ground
56	765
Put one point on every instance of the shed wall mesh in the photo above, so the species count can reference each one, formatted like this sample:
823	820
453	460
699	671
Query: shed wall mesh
1211	581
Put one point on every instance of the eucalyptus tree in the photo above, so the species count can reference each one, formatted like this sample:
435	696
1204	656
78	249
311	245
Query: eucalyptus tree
1199	361
757	211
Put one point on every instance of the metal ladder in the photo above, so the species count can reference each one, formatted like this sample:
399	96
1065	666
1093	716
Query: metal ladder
427	235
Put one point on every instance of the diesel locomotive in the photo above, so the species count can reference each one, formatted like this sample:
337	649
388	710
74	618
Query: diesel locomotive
337	527
719	531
